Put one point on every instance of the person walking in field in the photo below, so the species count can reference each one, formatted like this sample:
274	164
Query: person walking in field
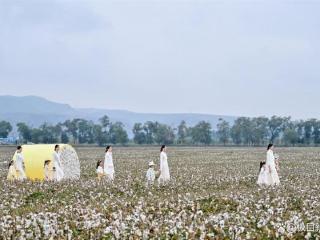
12	173
108	164
164	167
48	171
99	170
151	174
269	173
59	174
19	165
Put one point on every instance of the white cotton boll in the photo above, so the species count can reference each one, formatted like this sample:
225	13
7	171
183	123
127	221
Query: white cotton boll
203	235
143	217
38	231
46	229
211	235
138	232
281	230
270	211
29	235
241	229
226	216
145	234
190	229
108	230
116	223
28	223
116	234
179	225
123	226
221	223
295	218
34	222
260	224
22	232
69	235
308	235
200	213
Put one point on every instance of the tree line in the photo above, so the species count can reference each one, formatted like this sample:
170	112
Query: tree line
262	130
243	131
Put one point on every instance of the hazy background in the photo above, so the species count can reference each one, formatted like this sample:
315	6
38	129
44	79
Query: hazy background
220	57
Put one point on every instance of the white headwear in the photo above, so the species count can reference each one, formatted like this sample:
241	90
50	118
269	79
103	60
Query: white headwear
151	164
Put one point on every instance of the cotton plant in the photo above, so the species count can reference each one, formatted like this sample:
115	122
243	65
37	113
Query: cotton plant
212	195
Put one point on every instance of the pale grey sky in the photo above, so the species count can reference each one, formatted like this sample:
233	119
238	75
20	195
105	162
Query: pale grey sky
222	57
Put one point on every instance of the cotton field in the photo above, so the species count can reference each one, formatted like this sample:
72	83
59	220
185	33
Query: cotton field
212	195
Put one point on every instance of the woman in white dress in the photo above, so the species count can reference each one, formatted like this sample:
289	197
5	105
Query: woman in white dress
19	164
164	167
108	164
268	174
58	168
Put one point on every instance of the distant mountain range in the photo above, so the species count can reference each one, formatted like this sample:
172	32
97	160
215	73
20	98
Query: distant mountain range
36	110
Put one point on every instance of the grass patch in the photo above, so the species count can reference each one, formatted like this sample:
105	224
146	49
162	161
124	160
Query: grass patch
35	197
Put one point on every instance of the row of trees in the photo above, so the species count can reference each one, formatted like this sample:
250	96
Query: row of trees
157	133
243	131
77	131
5	129
262	130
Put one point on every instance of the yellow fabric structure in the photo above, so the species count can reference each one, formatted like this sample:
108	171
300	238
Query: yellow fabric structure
36	155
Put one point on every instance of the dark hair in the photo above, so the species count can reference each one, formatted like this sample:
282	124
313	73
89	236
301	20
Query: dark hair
10	163
107	148
98	163
19	147
162	147
46	162
270	146
55	147
261	165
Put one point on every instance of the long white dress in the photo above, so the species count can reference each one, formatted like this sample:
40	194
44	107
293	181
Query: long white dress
59	174
164	168
268	175
19	166
108	166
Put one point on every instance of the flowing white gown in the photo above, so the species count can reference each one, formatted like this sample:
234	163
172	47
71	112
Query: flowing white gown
108	166
268	175
59	174
19	167
164	168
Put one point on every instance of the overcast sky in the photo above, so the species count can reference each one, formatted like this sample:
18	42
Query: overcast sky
228	57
